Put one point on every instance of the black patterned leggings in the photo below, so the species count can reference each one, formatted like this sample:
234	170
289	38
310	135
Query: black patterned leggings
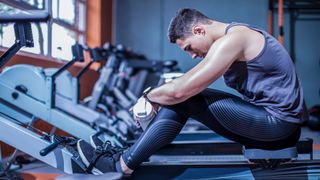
226	114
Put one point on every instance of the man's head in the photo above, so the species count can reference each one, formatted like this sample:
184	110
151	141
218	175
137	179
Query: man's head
187	29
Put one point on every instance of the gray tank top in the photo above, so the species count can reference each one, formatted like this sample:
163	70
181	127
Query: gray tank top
269	80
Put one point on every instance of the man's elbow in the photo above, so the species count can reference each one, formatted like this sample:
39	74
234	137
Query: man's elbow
183	93
175	93
178	95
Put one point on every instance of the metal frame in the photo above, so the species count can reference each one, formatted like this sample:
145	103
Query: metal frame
53	116
225	170
60	158
296	8
79	121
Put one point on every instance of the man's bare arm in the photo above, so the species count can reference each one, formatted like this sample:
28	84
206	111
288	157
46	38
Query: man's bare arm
219	58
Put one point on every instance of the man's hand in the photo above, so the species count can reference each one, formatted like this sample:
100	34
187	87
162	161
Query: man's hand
143	112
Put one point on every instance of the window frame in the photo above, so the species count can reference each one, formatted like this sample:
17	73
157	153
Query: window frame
47	5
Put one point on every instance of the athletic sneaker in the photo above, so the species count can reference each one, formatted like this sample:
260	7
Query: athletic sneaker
95	141
101	160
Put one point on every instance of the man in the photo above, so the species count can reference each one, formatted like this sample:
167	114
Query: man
251	61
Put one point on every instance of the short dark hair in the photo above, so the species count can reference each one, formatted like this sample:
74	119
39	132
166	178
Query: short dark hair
181	24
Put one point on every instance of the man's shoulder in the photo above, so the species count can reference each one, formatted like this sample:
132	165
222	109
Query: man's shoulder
239	30
237	34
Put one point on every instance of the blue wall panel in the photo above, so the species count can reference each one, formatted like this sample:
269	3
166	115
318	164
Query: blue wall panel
142	25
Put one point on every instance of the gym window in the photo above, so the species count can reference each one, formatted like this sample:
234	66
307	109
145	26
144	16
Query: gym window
52	39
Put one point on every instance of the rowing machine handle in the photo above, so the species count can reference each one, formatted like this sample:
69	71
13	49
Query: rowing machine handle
51	147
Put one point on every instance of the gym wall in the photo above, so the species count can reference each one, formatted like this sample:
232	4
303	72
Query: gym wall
142	25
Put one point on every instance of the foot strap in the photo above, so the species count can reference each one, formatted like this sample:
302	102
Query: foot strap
93	161
105	149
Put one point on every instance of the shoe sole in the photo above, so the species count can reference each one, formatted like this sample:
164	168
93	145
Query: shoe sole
94	171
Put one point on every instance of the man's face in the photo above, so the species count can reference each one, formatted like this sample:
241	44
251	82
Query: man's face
197	45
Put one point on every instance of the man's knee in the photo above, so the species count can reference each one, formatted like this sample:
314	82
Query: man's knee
173	112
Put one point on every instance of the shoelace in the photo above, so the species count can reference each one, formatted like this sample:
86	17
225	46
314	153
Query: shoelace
106	150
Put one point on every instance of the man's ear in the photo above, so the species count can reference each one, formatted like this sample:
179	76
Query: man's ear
197	29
